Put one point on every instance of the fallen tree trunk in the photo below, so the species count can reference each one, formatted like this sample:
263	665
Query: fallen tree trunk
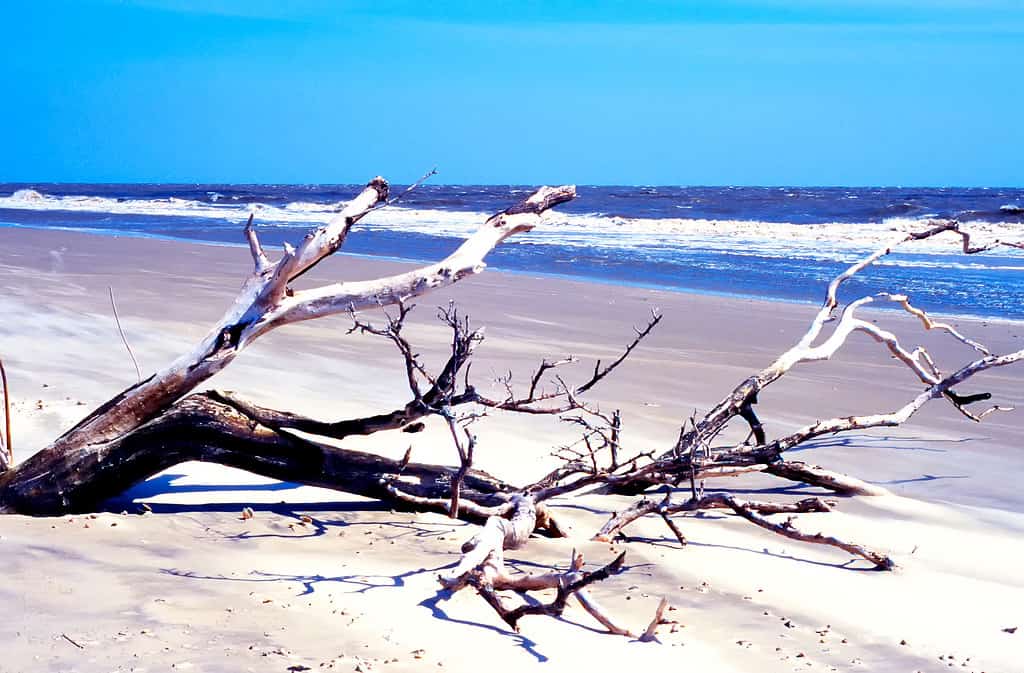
267	301
148	427
206	427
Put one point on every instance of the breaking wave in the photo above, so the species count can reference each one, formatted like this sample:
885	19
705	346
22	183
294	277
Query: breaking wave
838	241
776	243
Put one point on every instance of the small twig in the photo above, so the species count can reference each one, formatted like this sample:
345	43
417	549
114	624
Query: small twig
138	372
68	638
7	416
652	628
640	335
426	176
465	463
259	258
674	528
613	444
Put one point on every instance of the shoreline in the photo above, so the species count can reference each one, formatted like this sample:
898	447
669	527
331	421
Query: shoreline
114	233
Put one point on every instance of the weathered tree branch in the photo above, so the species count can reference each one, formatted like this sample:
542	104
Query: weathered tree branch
752	511
806	351
59	474
261	295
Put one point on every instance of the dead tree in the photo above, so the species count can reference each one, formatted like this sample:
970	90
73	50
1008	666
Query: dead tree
159	422
148	427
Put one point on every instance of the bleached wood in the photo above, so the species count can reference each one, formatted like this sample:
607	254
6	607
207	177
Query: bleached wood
806	350
497	535
266	301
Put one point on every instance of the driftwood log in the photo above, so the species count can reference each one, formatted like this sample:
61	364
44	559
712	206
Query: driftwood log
98	458
160	421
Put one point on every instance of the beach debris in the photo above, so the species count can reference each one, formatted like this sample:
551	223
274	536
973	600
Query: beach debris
72	641
482	567
1010	629
652	628
139	419
124	339
6	445
247	513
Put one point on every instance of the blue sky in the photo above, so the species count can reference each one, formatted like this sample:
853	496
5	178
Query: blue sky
752	92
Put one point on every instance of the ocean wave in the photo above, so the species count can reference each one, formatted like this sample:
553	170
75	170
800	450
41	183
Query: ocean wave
834	241
304	213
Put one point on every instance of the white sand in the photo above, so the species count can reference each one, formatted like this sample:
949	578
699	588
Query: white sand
194	587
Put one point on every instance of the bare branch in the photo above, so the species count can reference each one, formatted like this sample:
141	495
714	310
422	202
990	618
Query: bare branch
752	511
6	448
565	591
652	628
259	258
901	415
786	529
465	261
426	176
124	340
640	335
326	240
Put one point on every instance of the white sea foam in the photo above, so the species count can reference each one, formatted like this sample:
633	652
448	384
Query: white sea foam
28	199
836	241
842	242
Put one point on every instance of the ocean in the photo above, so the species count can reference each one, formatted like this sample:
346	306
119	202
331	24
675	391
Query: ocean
781	243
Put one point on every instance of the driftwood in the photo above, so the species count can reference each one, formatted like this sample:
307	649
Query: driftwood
87	464
483	567
160	421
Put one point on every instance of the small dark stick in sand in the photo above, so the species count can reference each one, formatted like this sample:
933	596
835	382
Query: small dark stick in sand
7	416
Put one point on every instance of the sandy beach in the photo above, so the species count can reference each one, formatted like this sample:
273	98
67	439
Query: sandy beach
189	585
